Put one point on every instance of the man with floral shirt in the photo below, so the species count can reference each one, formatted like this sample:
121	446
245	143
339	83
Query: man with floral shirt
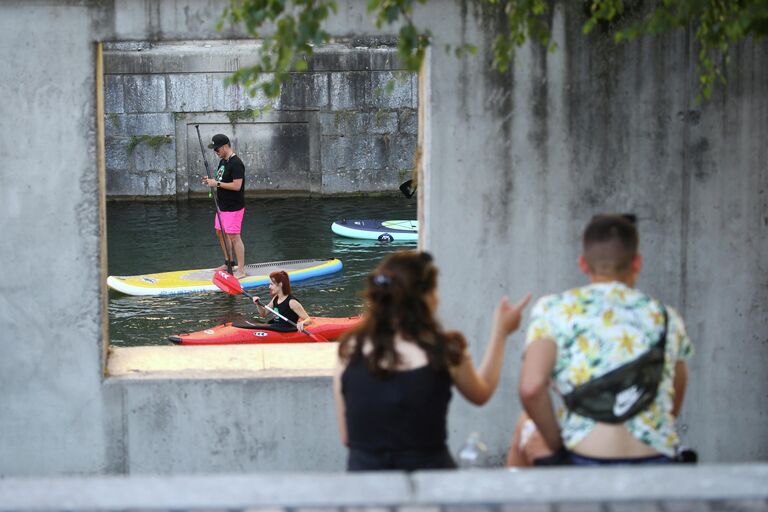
581	334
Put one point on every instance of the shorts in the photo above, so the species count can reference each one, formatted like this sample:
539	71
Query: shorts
581	460
563	457
233	221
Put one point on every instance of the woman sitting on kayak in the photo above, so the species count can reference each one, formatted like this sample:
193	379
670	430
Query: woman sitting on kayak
284	303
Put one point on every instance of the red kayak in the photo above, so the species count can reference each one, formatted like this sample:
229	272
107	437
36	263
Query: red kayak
245	331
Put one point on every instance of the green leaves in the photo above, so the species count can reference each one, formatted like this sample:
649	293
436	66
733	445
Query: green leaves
412	43
525	19
297	27
153	141
717	25
461	51
605	10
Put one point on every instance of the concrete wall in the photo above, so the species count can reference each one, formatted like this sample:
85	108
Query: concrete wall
514	167
334	129
721	488
595	127
51	319
203	409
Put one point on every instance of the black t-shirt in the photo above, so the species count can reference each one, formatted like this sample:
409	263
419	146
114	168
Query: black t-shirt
405	411
227	172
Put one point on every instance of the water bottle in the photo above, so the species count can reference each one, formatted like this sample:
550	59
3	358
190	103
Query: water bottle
474	453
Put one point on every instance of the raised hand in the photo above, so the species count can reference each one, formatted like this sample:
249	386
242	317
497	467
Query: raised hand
507	317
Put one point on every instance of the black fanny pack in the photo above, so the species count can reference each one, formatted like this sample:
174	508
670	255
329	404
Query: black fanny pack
625	391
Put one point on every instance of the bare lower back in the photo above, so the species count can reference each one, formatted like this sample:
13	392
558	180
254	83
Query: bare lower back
612	441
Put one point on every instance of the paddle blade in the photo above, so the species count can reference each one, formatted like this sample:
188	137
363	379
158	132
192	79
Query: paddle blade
227	282
408	188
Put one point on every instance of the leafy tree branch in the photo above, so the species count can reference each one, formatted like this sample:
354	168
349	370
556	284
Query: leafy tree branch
297	26
717	26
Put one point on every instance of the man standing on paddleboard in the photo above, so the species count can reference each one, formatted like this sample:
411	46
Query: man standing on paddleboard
229	182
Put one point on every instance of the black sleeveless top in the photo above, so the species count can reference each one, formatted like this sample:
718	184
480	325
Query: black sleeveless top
405	411
284	308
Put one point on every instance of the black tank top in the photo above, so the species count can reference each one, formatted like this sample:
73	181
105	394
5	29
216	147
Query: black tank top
405	411
284	308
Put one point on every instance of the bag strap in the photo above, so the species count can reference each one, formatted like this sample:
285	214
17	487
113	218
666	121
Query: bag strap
662	343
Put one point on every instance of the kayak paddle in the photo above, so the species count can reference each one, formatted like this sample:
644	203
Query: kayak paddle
229	283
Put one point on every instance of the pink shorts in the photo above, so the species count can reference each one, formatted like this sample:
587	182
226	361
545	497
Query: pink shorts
232	221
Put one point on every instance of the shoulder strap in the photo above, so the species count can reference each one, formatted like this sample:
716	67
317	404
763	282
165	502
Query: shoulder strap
663	338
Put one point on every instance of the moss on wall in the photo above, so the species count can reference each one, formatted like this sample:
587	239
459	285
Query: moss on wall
153	141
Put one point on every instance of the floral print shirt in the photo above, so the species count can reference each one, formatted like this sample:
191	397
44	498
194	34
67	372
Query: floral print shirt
599	327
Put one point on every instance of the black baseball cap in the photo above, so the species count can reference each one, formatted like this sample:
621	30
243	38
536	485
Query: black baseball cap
218	140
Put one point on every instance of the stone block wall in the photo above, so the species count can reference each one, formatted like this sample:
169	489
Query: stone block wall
357	105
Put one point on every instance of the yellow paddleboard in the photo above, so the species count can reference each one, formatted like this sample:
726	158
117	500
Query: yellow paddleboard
200	280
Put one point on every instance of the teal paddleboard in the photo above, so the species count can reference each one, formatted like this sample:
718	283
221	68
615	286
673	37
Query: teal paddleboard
382	230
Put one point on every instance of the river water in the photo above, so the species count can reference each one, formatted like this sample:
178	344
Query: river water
147	237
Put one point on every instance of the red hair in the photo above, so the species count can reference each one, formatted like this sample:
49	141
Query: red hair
281	277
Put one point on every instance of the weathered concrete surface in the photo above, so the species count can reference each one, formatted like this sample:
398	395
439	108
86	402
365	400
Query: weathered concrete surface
254	406
347	139
203	422
514	167
595	127
722	488
281	147
51	411
222	361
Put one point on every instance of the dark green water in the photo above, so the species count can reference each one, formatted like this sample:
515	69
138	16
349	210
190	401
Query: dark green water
158	237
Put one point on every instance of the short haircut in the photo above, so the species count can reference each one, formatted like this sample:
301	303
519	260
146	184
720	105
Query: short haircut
610	243
282	278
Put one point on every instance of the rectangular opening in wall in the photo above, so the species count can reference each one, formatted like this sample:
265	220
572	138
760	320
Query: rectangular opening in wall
334	146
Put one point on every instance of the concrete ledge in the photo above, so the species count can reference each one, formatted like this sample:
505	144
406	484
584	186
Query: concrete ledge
231	55
659	483
228	361
726	487
211	492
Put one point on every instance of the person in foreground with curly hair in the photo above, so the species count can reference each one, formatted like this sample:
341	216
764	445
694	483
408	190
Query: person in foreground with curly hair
395	371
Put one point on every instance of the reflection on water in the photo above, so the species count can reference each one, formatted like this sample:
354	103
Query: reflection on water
158	237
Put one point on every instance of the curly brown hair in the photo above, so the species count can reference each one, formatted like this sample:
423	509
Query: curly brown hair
396	297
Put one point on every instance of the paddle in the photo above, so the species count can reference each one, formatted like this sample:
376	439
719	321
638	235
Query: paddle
227	254
230	284
408	188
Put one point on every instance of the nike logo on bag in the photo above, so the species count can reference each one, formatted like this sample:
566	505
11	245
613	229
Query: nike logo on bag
625	400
